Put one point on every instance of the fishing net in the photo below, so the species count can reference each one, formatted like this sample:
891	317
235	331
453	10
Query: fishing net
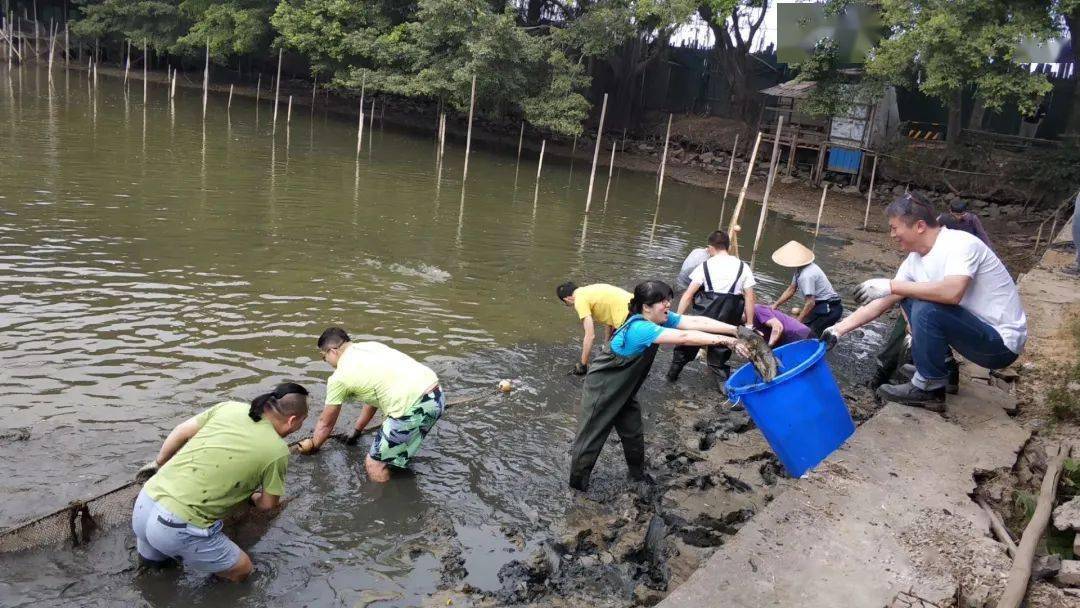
75	523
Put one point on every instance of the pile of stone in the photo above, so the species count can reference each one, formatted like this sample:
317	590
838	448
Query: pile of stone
1067	517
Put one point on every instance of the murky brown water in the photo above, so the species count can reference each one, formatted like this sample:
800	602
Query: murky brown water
150	267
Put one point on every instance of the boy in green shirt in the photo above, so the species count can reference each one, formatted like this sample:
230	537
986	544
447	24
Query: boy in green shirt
380	378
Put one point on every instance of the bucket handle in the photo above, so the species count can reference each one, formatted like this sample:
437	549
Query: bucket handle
733	402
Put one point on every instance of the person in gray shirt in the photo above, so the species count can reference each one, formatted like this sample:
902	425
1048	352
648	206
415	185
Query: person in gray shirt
822	307
695	259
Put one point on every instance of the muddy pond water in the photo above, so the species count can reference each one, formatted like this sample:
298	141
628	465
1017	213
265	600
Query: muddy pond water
151	266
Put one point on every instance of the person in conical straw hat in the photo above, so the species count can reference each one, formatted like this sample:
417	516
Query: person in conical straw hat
822	307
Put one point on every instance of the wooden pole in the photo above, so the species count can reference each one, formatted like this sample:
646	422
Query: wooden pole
774	166
521	140
573	157
1020	573
172	87
791	152
733	225
727	184
277	89
468	133
52	47
228	107
258	91
663	159
67	45
870	194
127	61
610	171
314	86
146	60
442	140
596	153
360	127
371	126
539	166
206	80
821	207
288	114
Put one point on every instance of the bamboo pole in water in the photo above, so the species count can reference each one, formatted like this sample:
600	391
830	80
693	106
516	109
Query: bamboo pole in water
733	225
314	86
206	80
172	87
52	48
228	106
442	142
277	89
521	140
870	194
145	67
820	209
127	62
288	113
468	133
67	45
539	166
610	171
727	184
663	159
774	166
360	126
573	155
371	127
596	152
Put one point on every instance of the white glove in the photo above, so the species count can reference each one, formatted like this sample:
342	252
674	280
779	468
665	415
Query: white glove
871	290
146	471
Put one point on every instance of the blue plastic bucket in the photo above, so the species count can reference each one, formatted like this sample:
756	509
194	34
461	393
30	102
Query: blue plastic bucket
801	412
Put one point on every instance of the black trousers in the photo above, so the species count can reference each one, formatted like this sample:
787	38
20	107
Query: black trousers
824	316
715	356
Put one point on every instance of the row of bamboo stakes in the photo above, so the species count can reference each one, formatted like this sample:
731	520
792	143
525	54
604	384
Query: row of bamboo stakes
6	33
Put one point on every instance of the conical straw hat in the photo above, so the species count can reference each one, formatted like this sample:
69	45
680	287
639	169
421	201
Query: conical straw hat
793	255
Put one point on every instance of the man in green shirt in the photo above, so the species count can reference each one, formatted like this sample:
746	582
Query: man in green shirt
381	378
228	454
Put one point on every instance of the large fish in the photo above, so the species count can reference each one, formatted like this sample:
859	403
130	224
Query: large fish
761	356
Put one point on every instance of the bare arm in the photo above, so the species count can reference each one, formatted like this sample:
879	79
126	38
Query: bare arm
949	290
698	323
325	426
264	501
808	306
784	297
750	299
176	440
687	297
777	330
693	337
366	414
865	314
587	341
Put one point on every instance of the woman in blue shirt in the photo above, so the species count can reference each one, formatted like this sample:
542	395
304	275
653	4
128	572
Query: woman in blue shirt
608	397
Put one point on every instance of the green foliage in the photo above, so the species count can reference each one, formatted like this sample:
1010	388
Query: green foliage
1025	503
835	92
158	22
944	46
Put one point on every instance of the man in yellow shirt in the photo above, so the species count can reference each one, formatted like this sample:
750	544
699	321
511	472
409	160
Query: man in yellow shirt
600	303
381	378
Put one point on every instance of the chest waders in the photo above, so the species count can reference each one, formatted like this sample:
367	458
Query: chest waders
722	306
609	400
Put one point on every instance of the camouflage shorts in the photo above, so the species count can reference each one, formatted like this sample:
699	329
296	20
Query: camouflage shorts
399	439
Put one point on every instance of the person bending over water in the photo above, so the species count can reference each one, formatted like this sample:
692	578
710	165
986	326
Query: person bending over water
609	395
381	378
228	454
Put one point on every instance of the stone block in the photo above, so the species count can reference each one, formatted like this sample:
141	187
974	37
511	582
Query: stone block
1067	516
1069	575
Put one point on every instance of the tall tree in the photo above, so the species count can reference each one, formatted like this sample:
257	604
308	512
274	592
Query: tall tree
944	47
736	27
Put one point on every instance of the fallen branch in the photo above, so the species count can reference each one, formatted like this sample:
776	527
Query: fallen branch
998	527
1020	573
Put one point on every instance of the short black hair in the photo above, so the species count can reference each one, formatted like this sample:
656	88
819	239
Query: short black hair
719	239
565	290
332	338
958	205
912	207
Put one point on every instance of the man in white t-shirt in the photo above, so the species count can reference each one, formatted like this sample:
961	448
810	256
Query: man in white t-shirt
721	288
956	293
696	258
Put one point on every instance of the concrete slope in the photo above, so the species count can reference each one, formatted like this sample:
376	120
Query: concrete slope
887	513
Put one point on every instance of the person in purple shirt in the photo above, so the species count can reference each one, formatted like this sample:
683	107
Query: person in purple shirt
778	328
959	218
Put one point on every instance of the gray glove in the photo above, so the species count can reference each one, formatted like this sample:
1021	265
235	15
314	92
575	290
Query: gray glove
146	471
830	338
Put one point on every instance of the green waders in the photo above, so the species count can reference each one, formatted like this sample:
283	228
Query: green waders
609	400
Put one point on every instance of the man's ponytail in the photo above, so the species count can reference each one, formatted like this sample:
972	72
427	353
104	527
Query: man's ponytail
276	401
